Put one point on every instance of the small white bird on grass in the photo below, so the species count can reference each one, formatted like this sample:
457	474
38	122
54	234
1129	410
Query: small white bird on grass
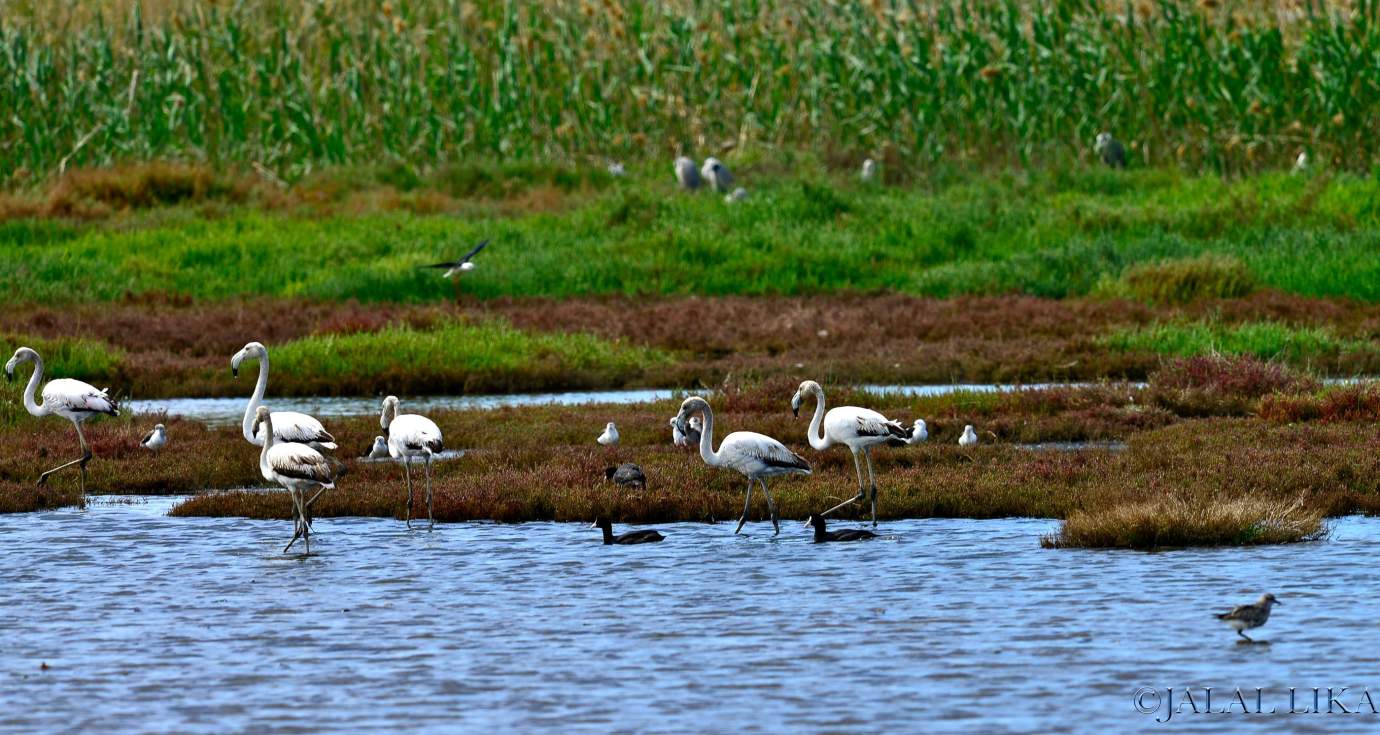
610	436
464	265
1301	163
869	171
969	438
156	439
379	450
686	174
717	175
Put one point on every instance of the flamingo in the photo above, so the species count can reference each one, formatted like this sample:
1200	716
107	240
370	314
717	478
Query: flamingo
410	435
71	399
299	468
290	425
686	174
754	456
156	439
859	429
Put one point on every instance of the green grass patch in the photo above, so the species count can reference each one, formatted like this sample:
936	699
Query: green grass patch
1156	234
1264	340
454	356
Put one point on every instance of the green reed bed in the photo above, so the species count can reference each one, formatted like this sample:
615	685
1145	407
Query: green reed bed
299	86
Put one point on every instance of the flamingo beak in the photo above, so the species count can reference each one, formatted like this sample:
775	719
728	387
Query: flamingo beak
795	405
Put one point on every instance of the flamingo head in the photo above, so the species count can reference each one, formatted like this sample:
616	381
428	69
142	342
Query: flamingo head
808	387
251	350
691	405
261	416
390	412
23	354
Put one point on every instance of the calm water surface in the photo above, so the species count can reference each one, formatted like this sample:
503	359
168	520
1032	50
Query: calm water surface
158	624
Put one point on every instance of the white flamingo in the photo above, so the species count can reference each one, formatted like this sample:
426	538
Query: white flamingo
71	399
290	426
686	174
754	456
610	436
410	435
859	429
300	469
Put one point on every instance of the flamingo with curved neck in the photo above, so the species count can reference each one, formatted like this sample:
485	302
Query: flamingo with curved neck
73	400
288	426
859	429
754	456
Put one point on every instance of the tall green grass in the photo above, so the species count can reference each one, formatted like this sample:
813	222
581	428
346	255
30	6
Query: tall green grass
299	86
1052	235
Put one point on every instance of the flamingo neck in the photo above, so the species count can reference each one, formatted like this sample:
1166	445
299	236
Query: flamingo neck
32	406
264	468
707	438
818	439
255	400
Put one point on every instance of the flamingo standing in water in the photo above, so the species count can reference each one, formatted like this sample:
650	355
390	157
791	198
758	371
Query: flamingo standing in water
754	456
410	435
859	429
290	426
71	399
300	469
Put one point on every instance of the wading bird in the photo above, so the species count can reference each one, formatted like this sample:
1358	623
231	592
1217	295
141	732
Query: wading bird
627	475
686	174
610	436
716	174
821	536
1110	149
869	171
155	440
859	429
410	435
290	426
752	455
969	438
71	399
1244	617
646	536
463	265
302	470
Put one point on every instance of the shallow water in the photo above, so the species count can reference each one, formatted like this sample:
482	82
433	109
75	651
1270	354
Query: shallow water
151	623
230	411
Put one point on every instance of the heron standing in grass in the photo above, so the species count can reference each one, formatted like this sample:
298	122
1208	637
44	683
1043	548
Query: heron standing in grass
410	435
300	469
859	429
1112	152
71	399
754	456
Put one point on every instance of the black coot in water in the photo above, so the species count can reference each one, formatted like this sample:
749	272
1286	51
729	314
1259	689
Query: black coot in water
627	475
645	536
821	535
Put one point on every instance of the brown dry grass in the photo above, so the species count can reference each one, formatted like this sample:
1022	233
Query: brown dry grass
1175	522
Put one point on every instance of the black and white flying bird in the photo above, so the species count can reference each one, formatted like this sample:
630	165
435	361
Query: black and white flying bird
463	265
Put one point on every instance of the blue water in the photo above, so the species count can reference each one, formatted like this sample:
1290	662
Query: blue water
156	624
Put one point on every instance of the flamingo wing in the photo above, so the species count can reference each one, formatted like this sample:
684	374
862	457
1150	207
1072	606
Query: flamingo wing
74	396
301	462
